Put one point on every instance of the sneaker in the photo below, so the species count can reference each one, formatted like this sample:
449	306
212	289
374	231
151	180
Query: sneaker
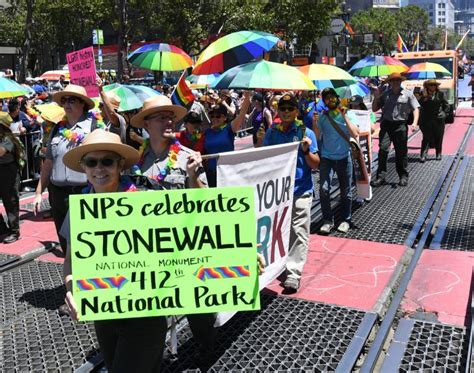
326	228
344	227
403	181
377	182
291	285
439	157
13	237
422	159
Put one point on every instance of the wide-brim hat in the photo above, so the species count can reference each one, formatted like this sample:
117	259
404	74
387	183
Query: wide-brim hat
154	105
100	140
5	119
74	90
395	76
431	81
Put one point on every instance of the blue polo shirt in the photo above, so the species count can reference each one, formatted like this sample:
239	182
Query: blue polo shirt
333	146
303	177
218	141
307	111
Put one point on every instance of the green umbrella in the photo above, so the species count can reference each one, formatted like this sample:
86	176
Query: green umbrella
129	99
264	75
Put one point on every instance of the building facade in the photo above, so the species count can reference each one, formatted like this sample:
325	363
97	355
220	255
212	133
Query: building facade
387	4
440	12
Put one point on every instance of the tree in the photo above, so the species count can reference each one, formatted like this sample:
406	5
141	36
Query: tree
410	21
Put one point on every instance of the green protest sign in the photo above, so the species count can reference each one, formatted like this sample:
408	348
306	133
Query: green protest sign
164	253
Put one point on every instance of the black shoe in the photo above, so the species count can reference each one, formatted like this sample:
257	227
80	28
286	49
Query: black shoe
377	182
439	157
422	159
403	181
11	238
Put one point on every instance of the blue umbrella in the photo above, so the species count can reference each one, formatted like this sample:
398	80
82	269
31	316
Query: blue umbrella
358	88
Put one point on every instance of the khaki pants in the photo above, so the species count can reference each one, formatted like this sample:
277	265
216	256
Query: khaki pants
299	235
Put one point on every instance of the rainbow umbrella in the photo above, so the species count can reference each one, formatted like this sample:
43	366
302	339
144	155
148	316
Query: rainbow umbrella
131	97
160	57
378	66
357	88
327	76
234	49
201	81
427	70
264	75
10	88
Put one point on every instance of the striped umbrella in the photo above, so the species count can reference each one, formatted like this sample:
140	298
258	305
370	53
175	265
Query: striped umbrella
232	50
378	66
427	70
160	57
10	88
357	88
55	75
264	75
129	98
201	81
327	76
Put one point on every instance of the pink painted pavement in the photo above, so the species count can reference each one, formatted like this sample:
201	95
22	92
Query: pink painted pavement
351	273
441	284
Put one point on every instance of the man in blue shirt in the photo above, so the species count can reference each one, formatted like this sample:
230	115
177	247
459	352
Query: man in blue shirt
290	130
335	157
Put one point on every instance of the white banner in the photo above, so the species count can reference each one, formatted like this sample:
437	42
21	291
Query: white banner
361	118
271	170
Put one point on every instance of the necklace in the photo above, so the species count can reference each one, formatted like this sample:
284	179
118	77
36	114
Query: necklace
124	186
73	136
194	137
98	119
174	150
220	128
280	127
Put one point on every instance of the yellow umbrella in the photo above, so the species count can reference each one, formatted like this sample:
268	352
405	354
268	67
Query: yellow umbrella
51	112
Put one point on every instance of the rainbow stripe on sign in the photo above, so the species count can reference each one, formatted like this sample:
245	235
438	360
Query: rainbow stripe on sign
97	283
222	272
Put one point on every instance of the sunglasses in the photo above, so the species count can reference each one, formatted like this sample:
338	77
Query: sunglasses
286	108
161	118
93	162
69	100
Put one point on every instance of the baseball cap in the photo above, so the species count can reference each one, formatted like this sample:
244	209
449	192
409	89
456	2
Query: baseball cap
288	99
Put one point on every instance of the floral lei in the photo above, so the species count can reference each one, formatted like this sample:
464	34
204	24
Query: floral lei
65	132
280	127
32	113
124	187
175	148
93	114
194	137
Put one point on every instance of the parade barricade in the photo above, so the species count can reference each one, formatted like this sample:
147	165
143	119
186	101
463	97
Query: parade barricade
32	143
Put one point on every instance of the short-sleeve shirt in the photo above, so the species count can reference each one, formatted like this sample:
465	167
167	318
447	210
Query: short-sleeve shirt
218	141
121	130
397	107
58	145
177	178
333	145
7	143
303	177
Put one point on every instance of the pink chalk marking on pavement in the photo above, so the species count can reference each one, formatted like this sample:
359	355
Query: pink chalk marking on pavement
441	284
350	273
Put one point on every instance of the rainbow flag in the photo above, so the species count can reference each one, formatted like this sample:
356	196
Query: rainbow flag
402	48
416	43
348	28
182	94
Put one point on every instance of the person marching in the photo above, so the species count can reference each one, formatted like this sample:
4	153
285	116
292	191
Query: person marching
66	135
192	135
290	130
433	111
396	103
10	157
334	129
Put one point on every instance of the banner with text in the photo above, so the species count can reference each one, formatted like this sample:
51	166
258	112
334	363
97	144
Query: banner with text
361	118
164	253
81	66
271	171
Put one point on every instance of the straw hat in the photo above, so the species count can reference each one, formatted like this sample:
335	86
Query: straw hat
431	81
154	105
74	90
395	76
100	140
5	119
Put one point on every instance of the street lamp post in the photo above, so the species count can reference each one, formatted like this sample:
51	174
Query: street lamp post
345	17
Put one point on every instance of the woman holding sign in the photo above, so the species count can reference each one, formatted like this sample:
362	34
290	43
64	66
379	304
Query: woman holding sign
127	345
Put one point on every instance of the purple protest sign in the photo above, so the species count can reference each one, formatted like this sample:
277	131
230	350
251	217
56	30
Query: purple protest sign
81	66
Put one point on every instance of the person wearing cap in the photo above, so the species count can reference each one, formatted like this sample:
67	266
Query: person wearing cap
260	117
396	103
127	345
433	111
219	138
334	130
287	131
10	157
192	135
109	105
60	180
